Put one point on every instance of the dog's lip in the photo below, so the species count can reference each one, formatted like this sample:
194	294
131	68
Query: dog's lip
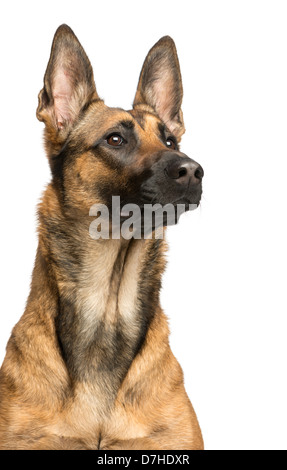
184	201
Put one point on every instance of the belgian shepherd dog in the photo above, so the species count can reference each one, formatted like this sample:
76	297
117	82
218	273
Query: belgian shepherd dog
89	365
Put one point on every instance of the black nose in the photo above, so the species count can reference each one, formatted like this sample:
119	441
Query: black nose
185	171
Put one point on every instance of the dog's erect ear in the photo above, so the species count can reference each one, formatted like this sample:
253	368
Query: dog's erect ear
160	85
68	83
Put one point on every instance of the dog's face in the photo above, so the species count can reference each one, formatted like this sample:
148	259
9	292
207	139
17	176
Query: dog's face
97	152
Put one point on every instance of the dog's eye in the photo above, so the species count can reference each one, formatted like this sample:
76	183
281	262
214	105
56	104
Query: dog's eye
115	140
170	143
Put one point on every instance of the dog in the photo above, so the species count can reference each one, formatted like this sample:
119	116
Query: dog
89	365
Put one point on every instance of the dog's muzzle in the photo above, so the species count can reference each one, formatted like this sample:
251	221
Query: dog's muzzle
175	179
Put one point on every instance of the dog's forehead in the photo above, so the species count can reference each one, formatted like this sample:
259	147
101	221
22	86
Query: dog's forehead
99	119
146	118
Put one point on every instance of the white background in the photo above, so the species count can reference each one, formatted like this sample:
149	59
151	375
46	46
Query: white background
225	287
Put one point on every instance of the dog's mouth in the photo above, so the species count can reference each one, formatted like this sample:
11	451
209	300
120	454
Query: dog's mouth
131	220
180	206
152	215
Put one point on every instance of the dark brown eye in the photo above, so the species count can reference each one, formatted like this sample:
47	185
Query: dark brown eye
115	140
170	143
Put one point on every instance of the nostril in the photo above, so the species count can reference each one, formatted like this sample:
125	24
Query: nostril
182	172
176	170
199	173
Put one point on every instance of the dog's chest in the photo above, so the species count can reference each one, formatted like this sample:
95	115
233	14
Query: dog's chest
100	330
108	285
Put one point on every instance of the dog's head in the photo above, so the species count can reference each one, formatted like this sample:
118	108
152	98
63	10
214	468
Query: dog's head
97	152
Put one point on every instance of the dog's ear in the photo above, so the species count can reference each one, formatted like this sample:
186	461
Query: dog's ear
160	85
68	83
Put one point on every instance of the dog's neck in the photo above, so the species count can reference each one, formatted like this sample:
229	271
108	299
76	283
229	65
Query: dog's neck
106	299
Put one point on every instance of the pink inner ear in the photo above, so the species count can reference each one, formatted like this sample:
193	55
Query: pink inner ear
163	97
62	94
